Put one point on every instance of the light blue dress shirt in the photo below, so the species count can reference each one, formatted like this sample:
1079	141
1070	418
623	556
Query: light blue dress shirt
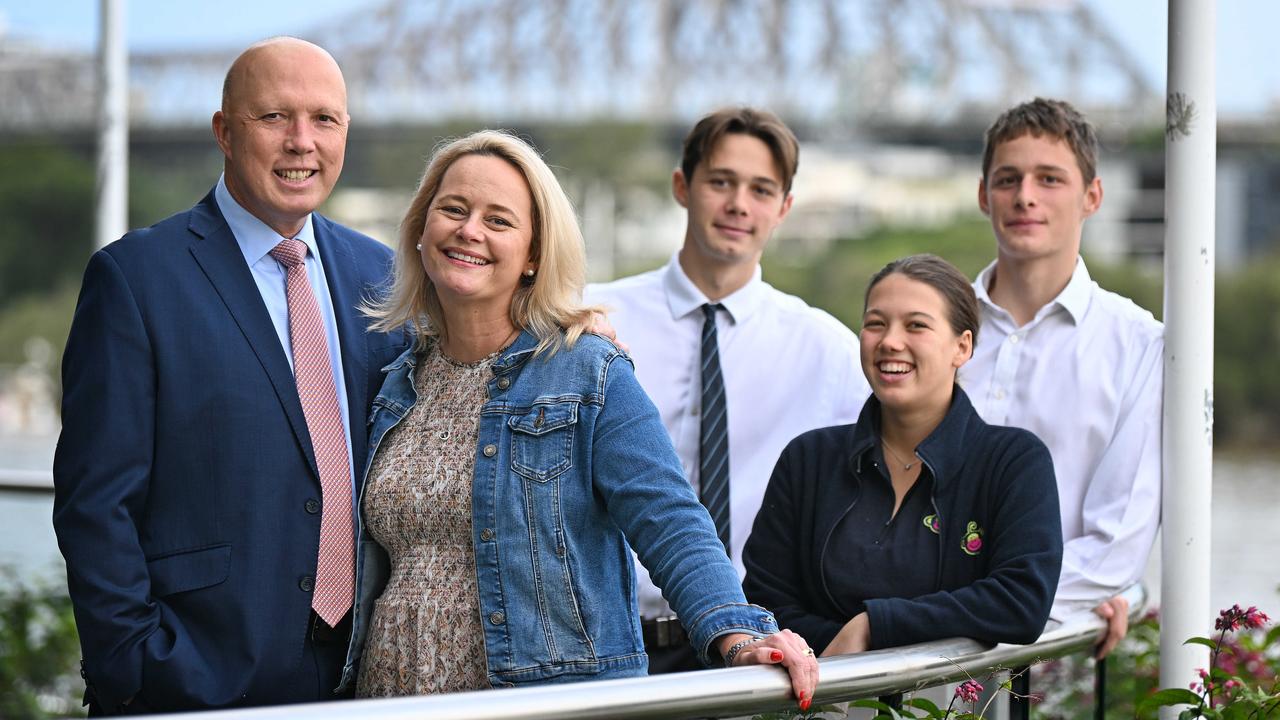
256	241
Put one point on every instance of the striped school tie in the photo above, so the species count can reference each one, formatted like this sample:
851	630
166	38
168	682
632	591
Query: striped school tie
713	449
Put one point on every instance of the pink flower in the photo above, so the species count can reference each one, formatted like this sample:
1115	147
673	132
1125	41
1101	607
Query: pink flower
1233	617
969	691
1255	618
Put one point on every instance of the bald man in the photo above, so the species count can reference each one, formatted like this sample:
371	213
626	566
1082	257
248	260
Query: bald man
216	384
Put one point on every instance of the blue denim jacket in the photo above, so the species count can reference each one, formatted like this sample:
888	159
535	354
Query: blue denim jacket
573	468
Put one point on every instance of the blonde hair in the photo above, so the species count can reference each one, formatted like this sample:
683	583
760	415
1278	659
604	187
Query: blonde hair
548	305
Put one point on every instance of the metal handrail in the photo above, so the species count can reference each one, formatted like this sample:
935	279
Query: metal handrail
716	693
33	481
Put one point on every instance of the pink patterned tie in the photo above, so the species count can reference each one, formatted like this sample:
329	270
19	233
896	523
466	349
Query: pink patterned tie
314	377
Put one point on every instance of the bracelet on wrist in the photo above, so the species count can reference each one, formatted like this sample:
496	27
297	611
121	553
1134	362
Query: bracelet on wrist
736	648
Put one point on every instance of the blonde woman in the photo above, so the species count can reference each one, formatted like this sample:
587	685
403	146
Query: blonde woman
516	460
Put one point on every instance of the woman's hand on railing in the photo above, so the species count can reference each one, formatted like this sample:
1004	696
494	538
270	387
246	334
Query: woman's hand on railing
783	648
854	637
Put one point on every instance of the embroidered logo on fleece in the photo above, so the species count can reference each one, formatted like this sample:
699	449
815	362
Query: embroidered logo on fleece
972	544
931	522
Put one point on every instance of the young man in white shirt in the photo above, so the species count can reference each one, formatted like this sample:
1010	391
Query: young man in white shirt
1079	366
774	367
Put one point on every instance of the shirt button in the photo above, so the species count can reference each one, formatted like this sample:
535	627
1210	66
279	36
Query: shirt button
497	618
312	506
307	583
486	534
504	383
1013	339
694	411
490	450
999	394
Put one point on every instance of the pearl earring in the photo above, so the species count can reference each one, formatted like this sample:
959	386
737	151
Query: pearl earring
528	272
419	247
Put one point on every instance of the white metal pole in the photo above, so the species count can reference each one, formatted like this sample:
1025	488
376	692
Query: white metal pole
113	124
1190	166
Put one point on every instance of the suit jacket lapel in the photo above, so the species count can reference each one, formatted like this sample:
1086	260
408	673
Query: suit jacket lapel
345	283
219	257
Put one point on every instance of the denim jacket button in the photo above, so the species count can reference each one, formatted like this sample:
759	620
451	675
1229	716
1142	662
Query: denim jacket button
504	383
486	534
490	450
497	618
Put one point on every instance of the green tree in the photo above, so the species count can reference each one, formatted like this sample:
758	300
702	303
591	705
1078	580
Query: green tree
46	200
39	649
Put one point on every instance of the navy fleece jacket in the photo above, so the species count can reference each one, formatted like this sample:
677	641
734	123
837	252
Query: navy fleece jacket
997	508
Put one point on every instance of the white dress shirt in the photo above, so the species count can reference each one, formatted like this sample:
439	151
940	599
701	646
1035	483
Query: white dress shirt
1086	376
256	241
787	368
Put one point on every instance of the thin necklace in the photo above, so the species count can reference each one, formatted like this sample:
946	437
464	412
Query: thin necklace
905	465
505	344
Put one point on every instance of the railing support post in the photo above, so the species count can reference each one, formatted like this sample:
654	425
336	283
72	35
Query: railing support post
1020	699
1100	689
894	701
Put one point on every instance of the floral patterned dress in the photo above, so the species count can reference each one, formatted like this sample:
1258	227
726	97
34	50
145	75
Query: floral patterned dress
425	635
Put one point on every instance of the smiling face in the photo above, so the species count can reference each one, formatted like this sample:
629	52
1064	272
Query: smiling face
735	201
1037	199
478	236
909	350
283	130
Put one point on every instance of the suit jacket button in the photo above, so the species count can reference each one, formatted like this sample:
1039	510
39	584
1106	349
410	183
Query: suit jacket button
490	450
497	617
504	383
312	506
307	583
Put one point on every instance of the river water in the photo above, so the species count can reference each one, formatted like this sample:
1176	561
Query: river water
1246	528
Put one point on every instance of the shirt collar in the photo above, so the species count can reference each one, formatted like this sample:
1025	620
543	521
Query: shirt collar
1074	298
683	297
943	450
252	235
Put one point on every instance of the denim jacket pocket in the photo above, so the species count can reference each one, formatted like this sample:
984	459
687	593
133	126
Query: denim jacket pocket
542	440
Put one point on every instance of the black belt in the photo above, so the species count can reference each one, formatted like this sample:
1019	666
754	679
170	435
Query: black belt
663	632
322	634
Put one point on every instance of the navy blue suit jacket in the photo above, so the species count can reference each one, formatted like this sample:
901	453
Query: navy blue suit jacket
184	472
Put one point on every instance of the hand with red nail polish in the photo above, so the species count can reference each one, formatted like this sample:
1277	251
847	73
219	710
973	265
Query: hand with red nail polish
783	648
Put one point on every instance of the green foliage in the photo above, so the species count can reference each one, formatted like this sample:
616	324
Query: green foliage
39	651
1241	681
836	279
46	200
1132	676
1247	339
1251	658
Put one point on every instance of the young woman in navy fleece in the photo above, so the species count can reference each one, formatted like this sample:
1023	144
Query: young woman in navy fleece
920	521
